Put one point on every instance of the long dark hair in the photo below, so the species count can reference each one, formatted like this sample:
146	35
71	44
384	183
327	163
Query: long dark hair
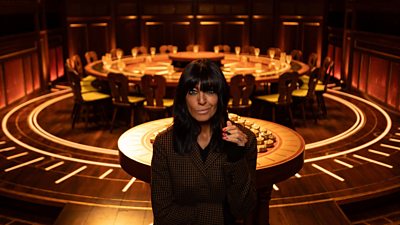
185	127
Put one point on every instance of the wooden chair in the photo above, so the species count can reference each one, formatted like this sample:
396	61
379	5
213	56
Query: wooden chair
114	52
154	88
297	55
85	100
226	48
286	85
142	50
241	88
120	97
306	97
75	63
323	80
91	56
189	48
312	63
312	60
249	49
277	52
164	49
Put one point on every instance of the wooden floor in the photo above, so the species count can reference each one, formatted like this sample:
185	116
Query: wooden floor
51	174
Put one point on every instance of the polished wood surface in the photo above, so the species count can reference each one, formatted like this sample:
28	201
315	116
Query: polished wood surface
88	184
286	153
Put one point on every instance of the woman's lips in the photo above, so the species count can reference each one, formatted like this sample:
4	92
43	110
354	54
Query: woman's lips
203	111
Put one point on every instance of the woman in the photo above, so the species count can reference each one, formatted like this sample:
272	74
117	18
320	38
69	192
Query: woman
203	166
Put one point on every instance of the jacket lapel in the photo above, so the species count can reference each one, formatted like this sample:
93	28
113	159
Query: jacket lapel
197	161
203	166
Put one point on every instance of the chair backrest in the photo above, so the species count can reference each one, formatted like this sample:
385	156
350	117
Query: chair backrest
119	89
287	83
277	51
312	60
114	52
142	50
189	48
226	48
91	56
74	81
154	89
297	55
326	70
312	82
241	88
76	64
164	49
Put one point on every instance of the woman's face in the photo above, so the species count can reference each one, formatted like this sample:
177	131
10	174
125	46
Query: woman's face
201	105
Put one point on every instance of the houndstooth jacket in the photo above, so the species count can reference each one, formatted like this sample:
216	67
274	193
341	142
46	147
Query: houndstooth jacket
187	191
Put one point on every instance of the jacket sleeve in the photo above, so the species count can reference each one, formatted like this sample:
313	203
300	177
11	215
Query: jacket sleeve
164	209
240	180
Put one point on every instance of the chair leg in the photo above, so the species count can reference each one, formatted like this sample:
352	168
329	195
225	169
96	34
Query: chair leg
323	107
132	118
311	102
273	114
303	111
75	114
87	108
291	122
321	104
113	119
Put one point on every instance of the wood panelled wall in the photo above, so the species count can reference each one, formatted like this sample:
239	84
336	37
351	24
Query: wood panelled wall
19	69
32	47
375	63
128	23
366	50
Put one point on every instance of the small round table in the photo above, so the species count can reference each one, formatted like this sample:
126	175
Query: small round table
278	163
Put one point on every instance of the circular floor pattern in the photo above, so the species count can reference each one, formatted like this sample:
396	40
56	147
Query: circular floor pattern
39	165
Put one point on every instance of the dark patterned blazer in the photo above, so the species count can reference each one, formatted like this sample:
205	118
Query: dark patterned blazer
185	190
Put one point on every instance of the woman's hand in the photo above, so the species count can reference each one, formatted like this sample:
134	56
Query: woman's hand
233	134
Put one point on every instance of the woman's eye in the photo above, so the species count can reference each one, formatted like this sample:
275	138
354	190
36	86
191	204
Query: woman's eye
192	92
210	92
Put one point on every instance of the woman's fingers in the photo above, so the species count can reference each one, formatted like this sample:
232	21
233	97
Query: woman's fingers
233	134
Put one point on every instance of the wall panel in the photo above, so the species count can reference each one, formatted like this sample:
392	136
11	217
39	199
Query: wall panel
14	79
393	97
337	59
77	37
209	33
28	76
128	33
53	64
155	34
2	88
378	78
98	38
233	33
355	70
364	69
182	34
311	39
262	33
289	36
36	72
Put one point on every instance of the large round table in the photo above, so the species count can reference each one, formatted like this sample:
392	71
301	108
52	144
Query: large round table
181	59
278	163
263	68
